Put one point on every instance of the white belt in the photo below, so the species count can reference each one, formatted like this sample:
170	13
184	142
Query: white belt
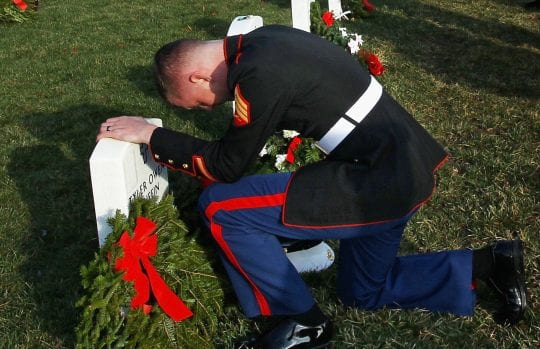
346	124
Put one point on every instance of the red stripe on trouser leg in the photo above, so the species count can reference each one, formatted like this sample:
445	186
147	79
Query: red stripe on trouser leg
217	233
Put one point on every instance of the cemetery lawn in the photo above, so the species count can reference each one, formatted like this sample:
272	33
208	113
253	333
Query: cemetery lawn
468	70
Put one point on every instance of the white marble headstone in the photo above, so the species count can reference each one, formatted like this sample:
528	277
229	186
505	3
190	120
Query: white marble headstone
334	6
121	171
300	14
244	24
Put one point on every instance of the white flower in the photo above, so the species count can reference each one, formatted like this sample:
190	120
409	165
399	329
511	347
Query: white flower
343	32
342	15
355	42
358	39
290	134
353	46
280	161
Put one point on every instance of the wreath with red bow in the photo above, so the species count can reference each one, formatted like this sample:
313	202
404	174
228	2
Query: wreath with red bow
151	285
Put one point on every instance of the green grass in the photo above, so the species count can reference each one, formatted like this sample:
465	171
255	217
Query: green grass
468	70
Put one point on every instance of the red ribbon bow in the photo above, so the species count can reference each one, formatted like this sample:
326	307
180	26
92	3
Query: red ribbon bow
136	250
292	147
21	5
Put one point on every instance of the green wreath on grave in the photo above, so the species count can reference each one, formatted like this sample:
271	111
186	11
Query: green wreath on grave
109	317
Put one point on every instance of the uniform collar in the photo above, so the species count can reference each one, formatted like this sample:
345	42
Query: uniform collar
231	48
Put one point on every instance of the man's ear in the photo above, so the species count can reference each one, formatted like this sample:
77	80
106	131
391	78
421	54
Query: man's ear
198	77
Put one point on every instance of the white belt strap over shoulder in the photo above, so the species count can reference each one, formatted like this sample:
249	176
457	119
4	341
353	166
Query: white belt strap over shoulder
356	113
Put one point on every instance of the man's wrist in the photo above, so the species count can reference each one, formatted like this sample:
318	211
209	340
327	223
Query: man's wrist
149	133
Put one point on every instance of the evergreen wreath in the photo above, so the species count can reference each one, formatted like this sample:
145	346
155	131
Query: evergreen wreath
107	320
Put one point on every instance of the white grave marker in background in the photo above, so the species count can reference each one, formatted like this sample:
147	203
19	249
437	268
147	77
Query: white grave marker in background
334	6
300	14
244	24
121	171
301	10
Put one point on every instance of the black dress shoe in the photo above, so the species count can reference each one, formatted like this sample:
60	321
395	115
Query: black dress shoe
508	280
290	334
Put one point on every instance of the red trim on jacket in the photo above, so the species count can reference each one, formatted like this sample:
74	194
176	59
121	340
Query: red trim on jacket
199	161
216	230
238	46
237	59
239	43
225	51
417	206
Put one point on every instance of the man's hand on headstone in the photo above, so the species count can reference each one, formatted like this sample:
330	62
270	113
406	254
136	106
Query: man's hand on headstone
134	129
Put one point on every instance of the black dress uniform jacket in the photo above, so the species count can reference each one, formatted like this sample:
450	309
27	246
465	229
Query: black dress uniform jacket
284	78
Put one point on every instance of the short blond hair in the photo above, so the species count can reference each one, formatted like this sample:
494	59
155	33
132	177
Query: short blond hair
169	60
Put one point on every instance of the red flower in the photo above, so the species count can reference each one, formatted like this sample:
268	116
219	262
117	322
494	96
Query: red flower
21	5
374	65
328	18
368	6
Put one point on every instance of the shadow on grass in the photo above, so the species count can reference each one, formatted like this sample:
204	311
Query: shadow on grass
214	27
142	77
460	49
53	180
